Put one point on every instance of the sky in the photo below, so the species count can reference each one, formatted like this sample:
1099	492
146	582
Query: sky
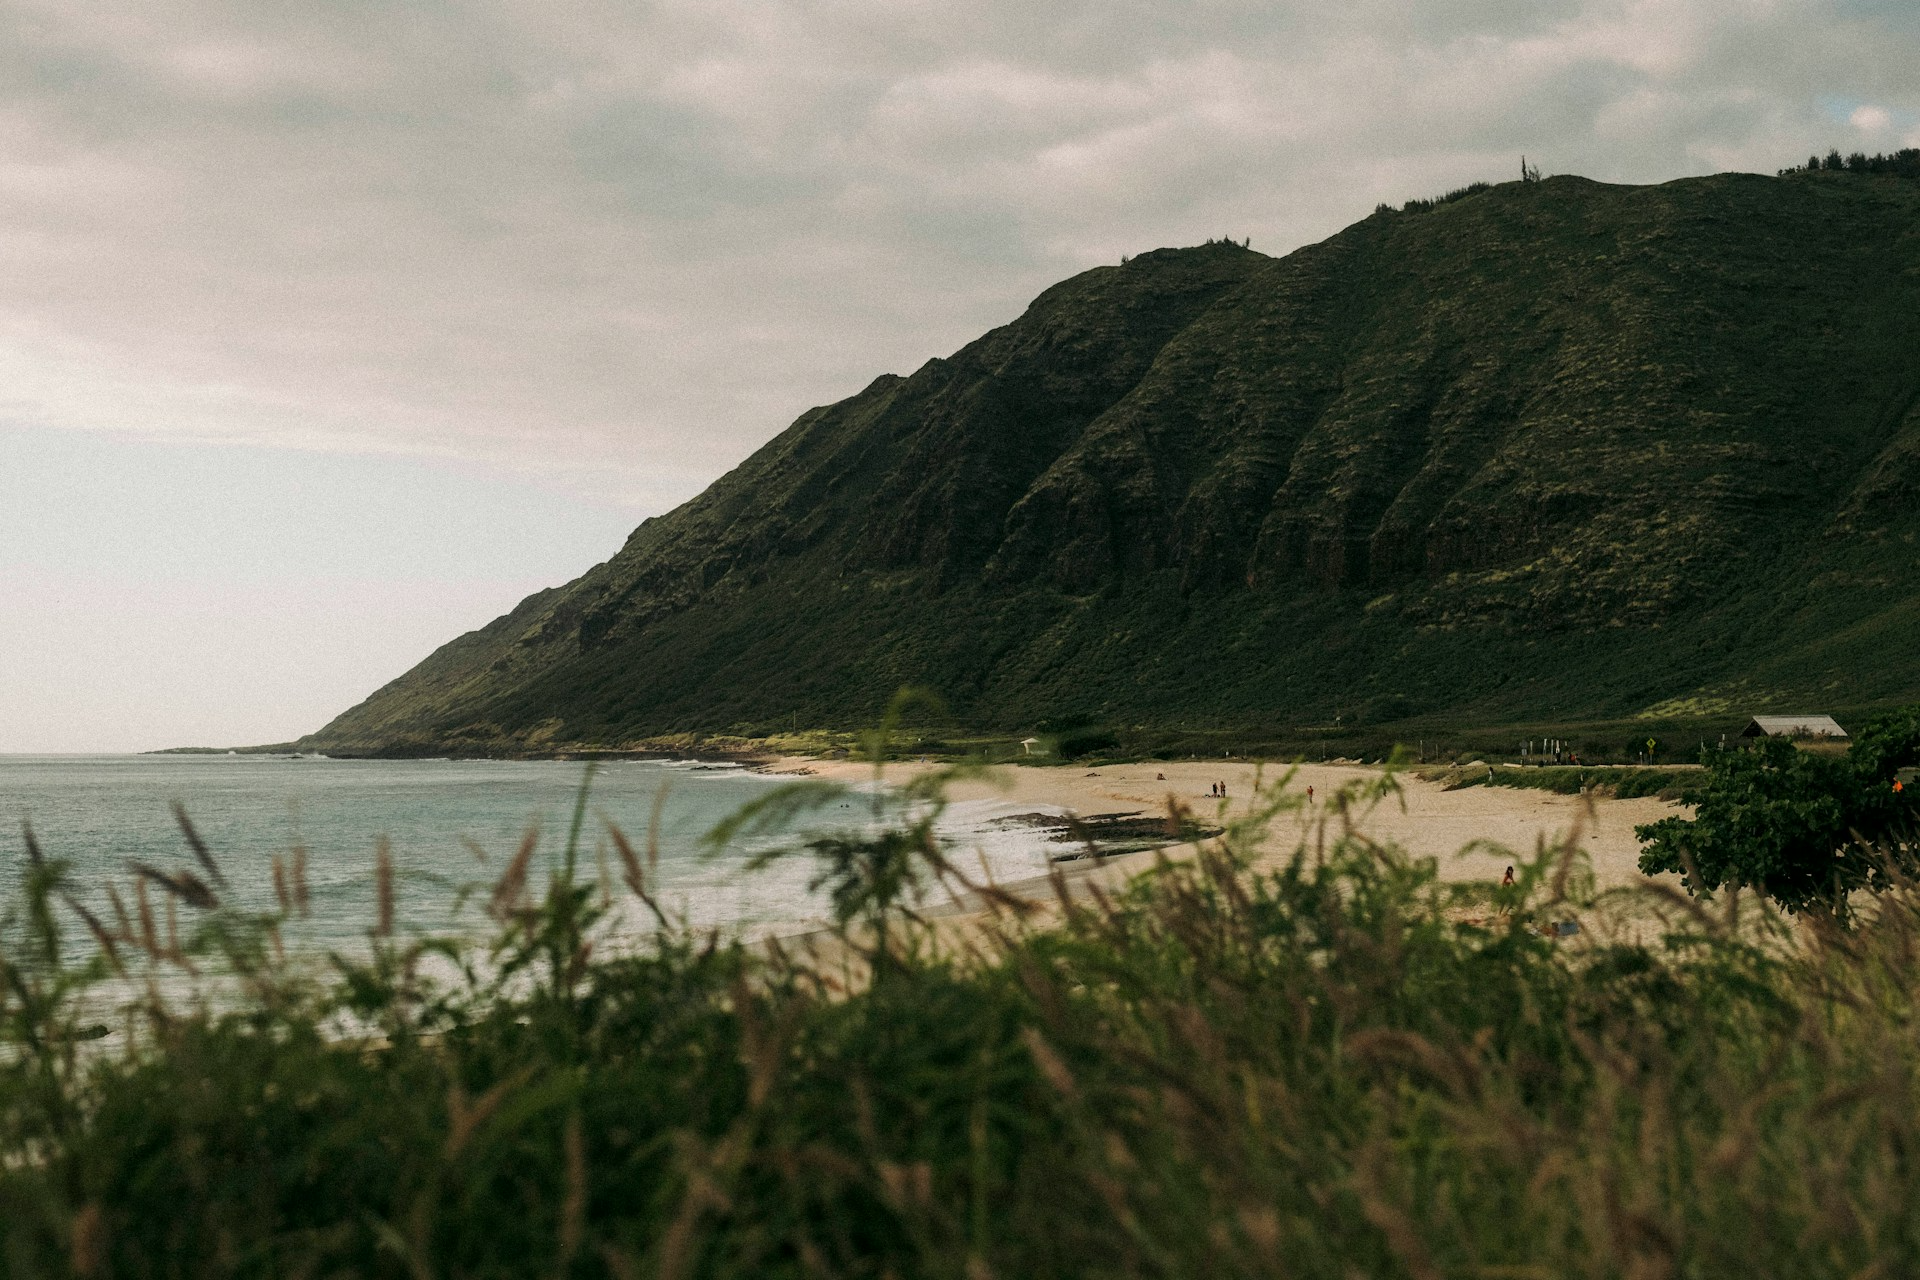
330	330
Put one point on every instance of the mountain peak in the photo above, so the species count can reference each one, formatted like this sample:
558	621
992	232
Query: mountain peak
1555	448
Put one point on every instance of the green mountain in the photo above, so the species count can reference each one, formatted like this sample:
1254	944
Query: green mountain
1553	449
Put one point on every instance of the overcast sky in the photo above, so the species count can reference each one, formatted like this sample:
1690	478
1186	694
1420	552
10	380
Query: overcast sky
328	330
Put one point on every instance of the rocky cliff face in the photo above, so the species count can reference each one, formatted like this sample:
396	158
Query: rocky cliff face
1552	449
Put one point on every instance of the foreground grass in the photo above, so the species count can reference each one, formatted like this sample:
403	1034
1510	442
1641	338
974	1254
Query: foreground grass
1336	1068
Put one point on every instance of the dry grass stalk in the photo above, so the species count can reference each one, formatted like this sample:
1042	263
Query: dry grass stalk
300	878
200	851
108	946
573	1207
1050	1064
88	1255
182	884
509	892
464	1119
149	936
633	873
383	888
121	918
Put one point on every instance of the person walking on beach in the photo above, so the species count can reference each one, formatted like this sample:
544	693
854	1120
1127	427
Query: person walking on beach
1309	797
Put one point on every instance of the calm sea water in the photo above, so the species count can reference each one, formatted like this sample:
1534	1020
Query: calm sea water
101	812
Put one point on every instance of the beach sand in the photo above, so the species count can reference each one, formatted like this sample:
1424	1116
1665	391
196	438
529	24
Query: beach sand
1424	819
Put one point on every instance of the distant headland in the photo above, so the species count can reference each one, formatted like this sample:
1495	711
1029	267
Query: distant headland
1547	450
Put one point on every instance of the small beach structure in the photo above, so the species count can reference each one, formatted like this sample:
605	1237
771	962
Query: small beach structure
1820	727
1028	744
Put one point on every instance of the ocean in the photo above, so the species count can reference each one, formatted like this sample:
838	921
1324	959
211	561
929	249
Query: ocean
452	826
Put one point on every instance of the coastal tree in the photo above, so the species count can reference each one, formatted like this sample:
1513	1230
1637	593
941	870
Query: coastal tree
1904	163
1805	829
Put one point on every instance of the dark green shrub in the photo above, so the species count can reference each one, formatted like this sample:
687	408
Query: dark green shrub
1387	708
1805	828
1086	742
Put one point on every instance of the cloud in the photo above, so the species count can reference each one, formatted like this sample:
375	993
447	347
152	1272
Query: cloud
619	246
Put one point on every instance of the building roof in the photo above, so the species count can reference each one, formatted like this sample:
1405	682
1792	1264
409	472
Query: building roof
1793	727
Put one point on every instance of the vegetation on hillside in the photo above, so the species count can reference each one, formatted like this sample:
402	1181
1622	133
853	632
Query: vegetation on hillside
1335	1065
1565	780
1905	163
1551	450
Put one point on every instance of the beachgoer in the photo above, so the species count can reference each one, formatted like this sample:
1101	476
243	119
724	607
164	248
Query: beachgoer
1309	795
1506	881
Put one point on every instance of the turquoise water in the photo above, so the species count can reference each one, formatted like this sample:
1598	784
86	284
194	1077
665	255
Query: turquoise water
101	812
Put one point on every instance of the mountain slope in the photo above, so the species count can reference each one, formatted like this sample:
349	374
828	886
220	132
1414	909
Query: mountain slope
1554	449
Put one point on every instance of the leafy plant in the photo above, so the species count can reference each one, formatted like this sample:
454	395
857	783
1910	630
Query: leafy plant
1804	828
1298	1052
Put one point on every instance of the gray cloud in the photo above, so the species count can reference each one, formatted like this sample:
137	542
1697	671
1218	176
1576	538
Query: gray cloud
621	245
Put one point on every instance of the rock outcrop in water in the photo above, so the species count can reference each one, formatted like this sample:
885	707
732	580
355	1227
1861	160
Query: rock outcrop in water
1552	449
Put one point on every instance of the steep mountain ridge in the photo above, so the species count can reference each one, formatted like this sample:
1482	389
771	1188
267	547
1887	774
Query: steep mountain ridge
1557	448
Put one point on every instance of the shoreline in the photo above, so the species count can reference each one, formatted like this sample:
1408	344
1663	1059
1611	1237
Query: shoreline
1473	832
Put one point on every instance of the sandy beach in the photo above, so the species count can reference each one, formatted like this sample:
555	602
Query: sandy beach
1456	827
